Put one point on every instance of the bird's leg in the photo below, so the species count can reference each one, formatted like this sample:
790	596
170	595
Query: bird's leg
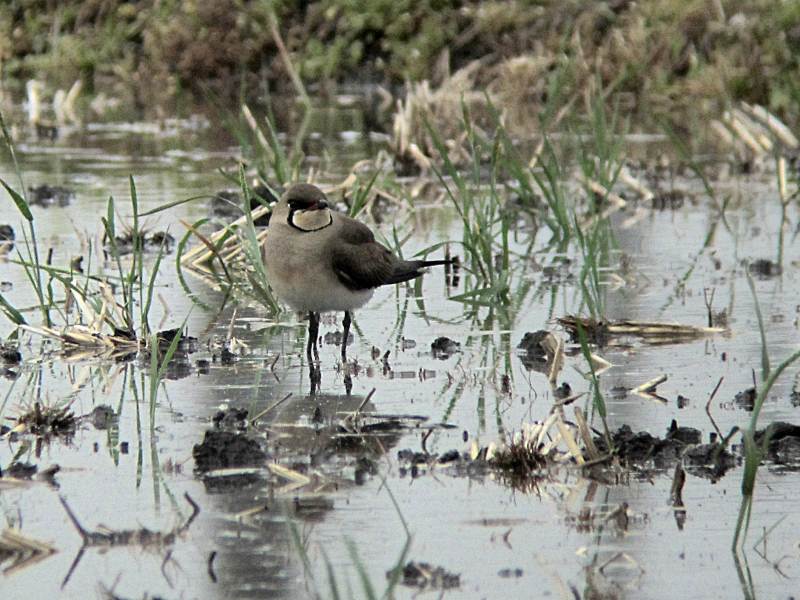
314	376
313	333
346	324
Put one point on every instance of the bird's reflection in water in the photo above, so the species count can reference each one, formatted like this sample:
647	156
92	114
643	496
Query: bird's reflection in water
347	370
333	430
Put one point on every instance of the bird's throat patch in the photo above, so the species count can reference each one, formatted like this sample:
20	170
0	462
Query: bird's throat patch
310	220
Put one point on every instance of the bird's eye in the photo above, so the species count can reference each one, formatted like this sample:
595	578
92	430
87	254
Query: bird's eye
305	204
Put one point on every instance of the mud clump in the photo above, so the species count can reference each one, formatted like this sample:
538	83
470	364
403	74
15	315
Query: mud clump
685	435
50	195
415	463
710	461
7	238
226	445
233	419
535	344
668	200
9	355
783	445
20	470
426	577
103	417
226	449
179	365
746	399
642	450
130	240
764	268
538	350
443	348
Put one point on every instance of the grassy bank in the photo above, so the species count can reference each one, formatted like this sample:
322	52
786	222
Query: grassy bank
660	56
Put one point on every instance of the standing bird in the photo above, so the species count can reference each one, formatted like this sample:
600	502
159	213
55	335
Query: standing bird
318	260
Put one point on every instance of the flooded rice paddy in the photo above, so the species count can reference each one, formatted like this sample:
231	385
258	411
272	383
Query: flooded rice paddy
310	497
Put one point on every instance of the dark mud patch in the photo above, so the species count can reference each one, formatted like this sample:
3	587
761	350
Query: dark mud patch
179	365
50	195
746	399
642	451
10	355
414	463
7	237
540	350
443	348
103	417
782	444
226	449
668	200
424	576
10	358
763	269
334	338
130	240
230	457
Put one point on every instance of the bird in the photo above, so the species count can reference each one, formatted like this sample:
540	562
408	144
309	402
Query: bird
319	260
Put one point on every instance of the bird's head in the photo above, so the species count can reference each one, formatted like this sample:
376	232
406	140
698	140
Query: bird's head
304	207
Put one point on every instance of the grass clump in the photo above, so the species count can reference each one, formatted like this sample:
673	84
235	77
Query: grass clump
662	56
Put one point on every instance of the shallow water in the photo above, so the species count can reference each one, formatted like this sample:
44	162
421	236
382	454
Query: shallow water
552	541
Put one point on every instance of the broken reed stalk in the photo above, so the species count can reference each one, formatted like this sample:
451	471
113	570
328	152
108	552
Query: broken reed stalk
231	245
270	408
24	550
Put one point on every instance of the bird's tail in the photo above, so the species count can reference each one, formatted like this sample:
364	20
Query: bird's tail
411	269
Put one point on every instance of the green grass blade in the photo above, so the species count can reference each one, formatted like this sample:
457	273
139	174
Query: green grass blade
765	366
12	313
22	206
366	584
175	203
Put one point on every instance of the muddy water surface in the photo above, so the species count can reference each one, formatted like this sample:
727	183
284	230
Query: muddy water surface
560	537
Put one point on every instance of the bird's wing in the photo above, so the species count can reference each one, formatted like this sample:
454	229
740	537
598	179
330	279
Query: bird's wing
362	266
